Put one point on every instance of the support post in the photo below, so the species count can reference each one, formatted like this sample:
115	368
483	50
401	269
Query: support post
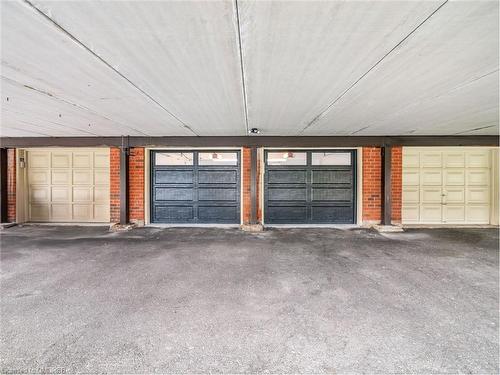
124	156
253	185
386	185
3	185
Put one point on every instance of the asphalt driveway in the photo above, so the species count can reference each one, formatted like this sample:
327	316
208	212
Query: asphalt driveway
82	299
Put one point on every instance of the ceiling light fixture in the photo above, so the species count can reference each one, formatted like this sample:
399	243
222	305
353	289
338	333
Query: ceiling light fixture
254	131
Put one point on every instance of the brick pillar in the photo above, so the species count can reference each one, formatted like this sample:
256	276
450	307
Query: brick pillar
114	185
136	185
372	184
246	204
396	183
11	185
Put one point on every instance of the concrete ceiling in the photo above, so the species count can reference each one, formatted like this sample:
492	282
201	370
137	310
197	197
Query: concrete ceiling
220	68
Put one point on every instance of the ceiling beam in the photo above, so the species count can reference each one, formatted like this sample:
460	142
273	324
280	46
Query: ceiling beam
259	141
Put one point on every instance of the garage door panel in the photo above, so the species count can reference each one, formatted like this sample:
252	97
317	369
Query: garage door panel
431	195
101	194
479	214
39	194
454	177
173	194
410	213
431	213
331	177
38	159
332	214
83	212
217	177
219	213
60	212
431	159
61	185
82	194
331	194
173	176
101	212
454	214
61	159
411	195
39	212
101	177
174	214
218	194
61	194
101	160
455	159
83	177
411	177
38	176
431	177
61	177
478	159
286	194
478	195
455	194
291	214
287	176
411	160
478	177
82	160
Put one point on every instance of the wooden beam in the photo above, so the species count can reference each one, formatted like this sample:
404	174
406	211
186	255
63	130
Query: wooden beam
386	185
249	141
124	156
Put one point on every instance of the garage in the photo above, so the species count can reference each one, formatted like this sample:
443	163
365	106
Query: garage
68	185
195	187
447	185
310	186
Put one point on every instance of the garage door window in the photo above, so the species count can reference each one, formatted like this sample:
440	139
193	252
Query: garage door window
287	158
174	158
331	158
218	158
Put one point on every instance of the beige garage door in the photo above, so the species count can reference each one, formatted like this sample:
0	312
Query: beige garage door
446	185
68	185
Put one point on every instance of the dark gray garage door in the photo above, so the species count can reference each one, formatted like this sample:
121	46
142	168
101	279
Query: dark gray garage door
195	187
305	187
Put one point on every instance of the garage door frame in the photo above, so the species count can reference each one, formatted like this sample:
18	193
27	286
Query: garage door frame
414	200
148	186
356	167
23	191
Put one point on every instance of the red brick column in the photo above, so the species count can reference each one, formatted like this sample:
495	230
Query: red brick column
136	185
114	184
246	204
372	184
396	183
11	185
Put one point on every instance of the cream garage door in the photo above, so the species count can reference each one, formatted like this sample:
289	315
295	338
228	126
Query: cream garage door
68	185
446	185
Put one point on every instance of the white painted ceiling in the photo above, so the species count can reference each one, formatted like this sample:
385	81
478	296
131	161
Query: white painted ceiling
212	68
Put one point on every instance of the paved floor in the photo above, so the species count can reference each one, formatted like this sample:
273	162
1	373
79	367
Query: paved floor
222	300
